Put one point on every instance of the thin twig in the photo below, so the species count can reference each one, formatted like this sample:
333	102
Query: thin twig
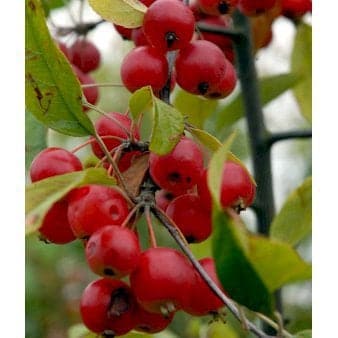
213	287
287	135
216	29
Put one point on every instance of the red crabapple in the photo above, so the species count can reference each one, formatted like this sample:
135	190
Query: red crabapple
108	305
202	300
152	71
161	280
179	170
53	161
85	55
113	251
237	188
192	219
93	206
200	67
90	93
168	25
226	85
55	226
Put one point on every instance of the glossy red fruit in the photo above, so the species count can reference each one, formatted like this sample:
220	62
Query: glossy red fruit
116	125
161	280
163	198
138	37
93	206
237	188
191	217
168	24
217	7
202	300
255	7
226	85
296	8
85	55
55	227
179	170
152	71
113	251
151	322
124	32
53	161
91	93
107	306
200	67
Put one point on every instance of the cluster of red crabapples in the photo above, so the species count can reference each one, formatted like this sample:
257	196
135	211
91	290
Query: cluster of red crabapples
203	65
162	280
84	58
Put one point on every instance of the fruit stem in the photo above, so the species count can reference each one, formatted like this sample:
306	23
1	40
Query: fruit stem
103	84
131	214
117	172
165	91
272	324
151	232
91	140
179	238
102	112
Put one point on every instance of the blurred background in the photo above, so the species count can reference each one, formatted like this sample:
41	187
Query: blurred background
57	275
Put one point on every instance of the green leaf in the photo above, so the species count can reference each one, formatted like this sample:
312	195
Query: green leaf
215	170
304	334
35	138
196	108
235	271
48	5
270	88
168	122
127	13
277	263
53	94
208	140
252	267
294	221
41	195
301	63
168	128
140	101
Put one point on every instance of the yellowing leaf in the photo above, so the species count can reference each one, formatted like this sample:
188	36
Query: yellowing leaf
215	171
53	94
126	13
41	195
294	221
301	63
